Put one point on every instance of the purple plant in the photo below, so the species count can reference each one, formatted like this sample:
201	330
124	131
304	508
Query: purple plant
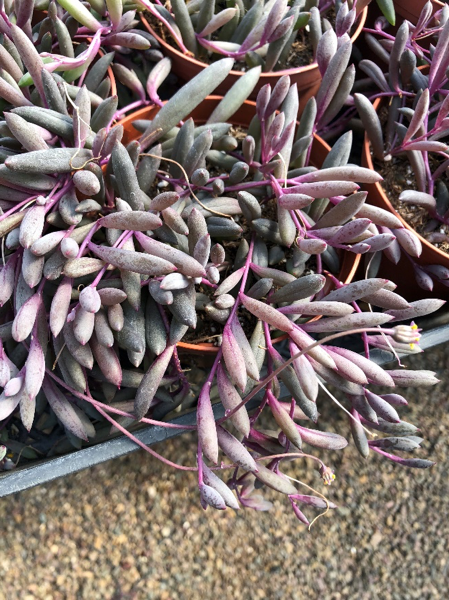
110	254
259	33
416	128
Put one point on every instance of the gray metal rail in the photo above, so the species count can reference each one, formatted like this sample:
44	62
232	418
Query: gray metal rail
53	468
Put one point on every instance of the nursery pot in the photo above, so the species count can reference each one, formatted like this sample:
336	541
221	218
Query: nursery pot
307	78
243	118
411	9
402	273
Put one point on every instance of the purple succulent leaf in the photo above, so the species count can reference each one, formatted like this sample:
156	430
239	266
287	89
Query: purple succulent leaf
418	308
267	314
284	421
404	444
314	501
374	372
348	369
354	321
233	357
426	146
150	382
439	61
371	124
356	290
235	450
423	279
230	398
376	74
210	497
299	514
417	463
404	378
419	115
34	368
322	439
343	173
207	431
217	21
395	399
248	355
319	308
294	201
380	242
382	408
64	410
334	72
379	216
277	96
25	318
398	48
326	48
325	189
350	231
7	278
393	252
275	481
220	486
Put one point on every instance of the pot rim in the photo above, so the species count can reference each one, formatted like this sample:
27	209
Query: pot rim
362	16
382	194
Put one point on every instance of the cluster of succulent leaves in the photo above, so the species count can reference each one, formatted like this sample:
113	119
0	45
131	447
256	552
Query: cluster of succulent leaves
112	250
410	75
259	33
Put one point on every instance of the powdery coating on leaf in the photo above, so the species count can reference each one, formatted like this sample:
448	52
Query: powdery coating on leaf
210	497
151	381
233	358
207	431
34	368
25	318
235	450
63	409
230	398
137	220
133	261
284	421
272	480
267	313
185	263
90	299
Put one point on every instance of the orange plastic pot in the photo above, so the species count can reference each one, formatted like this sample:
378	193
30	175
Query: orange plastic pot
402	273
242	117
307	78
411	9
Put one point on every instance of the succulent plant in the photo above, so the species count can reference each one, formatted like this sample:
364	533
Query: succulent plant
112	252
415	129
259	33
64	38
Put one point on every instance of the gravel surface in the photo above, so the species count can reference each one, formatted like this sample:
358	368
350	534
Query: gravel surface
133	529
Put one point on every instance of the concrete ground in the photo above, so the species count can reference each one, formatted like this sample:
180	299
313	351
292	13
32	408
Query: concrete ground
133	529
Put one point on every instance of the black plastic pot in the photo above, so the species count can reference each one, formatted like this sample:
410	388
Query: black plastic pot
44	471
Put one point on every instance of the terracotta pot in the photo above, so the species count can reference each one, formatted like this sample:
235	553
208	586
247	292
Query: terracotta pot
411	9
242	117
307	78
402	273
